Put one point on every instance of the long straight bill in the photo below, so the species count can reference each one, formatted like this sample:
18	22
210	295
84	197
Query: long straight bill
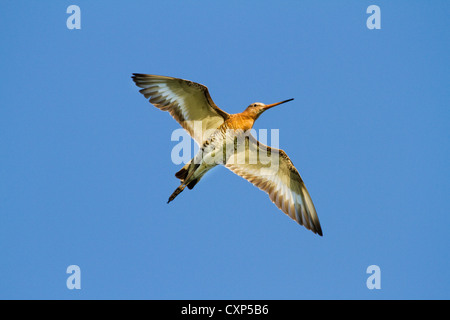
268	106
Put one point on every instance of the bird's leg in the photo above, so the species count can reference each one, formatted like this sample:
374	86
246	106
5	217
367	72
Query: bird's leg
193	171
185	175
176	192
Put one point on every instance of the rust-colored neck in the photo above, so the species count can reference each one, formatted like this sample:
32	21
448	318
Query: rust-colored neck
243	120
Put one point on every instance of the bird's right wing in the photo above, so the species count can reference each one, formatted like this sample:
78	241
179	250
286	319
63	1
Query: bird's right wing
272	171
188	102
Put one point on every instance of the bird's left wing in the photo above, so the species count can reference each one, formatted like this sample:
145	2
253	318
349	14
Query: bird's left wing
272	171
188	102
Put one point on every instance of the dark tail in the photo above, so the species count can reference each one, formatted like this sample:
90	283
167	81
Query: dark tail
176	192
182	174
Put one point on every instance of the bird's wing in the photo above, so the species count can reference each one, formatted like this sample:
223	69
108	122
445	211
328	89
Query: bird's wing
188	102
272	171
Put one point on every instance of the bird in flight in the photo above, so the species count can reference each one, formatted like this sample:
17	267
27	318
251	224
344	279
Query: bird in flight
224	139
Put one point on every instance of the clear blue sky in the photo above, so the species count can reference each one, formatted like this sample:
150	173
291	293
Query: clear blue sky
85	167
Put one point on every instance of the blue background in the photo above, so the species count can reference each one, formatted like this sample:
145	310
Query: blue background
85	167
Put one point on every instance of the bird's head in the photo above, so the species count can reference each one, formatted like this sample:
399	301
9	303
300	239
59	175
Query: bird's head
257	108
